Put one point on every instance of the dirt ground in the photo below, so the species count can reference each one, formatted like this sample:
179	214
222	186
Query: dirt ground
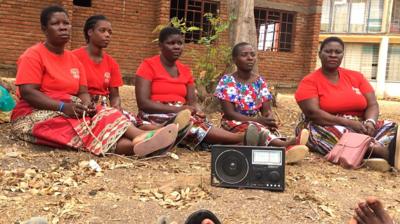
57	184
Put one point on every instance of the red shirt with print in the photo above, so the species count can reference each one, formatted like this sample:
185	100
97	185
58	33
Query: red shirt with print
100	76
344	97
165	88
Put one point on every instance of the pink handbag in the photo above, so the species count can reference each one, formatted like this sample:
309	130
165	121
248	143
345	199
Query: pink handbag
350	150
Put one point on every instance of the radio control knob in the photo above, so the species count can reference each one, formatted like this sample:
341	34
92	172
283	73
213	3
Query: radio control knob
274	176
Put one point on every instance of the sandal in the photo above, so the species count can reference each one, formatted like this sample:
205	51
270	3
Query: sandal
251	137
200	215
156	140
377	164
182	119
302	138
295	153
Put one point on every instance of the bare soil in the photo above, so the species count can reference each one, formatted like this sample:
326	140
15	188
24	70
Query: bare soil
57	184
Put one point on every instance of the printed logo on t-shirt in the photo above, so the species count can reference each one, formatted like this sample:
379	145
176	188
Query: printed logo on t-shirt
75	73
107	77
357	90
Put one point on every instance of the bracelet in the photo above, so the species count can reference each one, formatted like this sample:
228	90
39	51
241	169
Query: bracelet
61	106
370	120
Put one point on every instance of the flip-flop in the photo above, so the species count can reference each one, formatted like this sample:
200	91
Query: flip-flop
156	140
182	118
295	153
262	138
251	136
198	216
302	138
377	164
183	133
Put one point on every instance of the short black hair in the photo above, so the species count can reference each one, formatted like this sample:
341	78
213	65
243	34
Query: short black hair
168	31
235	49
48	12
331	39
91	23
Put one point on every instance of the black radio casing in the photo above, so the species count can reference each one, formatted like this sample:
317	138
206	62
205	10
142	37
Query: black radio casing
232	166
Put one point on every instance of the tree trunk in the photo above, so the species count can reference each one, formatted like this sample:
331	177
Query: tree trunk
243	27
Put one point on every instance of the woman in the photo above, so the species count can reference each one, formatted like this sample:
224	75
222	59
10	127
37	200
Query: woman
245	99
55	107
165	86
335	100
102	71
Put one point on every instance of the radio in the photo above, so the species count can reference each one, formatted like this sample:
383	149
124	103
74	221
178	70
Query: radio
257	167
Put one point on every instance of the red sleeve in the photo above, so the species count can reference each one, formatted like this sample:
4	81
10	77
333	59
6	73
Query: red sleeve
187	71
307	89
365	86
145	71
191	79
116	77
30	68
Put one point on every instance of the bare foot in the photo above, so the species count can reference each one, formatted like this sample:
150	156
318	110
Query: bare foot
372	212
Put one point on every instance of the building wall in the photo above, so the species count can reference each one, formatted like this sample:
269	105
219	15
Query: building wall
133	22
375	54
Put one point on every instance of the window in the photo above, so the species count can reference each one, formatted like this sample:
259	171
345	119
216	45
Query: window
274	29
352	16
395	23
362	58
83	3
393	63
193	11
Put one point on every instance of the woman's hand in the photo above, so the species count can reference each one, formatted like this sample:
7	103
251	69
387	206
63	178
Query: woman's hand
357	126
91	110
370	128
268	122
74	110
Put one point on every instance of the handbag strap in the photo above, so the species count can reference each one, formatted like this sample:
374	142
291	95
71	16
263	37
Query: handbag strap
369	156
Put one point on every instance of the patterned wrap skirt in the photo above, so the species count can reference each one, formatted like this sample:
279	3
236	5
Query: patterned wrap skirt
98	134
323	138
241	126
200	126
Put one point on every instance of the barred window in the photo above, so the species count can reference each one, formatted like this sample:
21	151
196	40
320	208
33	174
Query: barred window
393	63
193	11
275	29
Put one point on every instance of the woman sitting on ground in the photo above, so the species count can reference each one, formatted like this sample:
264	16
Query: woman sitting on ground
245	99
102	71
55	108
165	86
335	100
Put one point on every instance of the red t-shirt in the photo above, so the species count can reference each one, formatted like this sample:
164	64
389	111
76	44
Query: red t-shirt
59	76
54	73
344	97
165	88
100	76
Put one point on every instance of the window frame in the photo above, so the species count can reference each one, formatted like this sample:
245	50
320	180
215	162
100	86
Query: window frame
348	22
189	37
292	33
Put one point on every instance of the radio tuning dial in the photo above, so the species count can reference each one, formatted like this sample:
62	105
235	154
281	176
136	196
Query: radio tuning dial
274	176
